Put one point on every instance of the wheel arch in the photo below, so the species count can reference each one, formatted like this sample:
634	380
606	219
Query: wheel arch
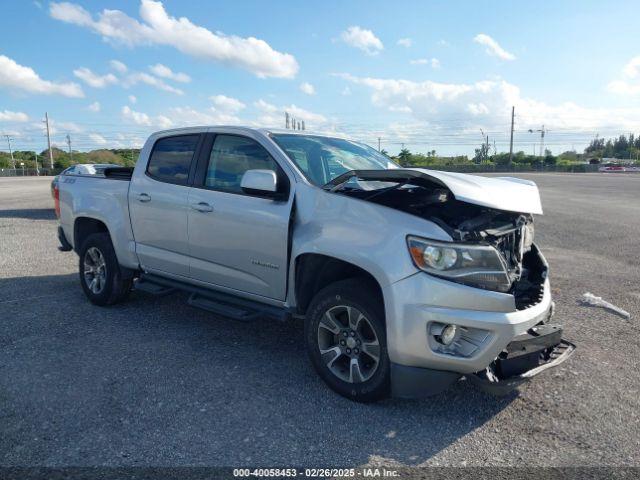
314	271
85	226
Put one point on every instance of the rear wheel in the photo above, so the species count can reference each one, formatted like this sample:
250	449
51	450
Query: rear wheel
346	340
100	274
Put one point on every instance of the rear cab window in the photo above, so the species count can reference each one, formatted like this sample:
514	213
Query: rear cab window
171	158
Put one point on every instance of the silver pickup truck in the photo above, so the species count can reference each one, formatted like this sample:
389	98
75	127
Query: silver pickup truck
406	279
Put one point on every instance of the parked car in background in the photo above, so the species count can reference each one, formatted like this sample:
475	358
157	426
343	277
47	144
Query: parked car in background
406	279
612	168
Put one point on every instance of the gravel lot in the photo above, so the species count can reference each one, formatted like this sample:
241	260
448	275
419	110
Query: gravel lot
156	382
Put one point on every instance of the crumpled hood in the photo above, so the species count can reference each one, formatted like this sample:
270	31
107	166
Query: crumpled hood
502	193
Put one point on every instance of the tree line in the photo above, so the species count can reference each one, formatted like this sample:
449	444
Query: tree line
62	159
621	147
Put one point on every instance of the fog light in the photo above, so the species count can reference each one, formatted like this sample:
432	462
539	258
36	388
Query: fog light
448	334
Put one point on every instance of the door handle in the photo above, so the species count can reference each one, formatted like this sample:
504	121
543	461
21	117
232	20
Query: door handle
202	207
144	197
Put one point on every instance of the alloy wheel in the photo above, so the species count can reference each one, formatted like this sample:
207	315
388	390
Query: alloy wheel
348	344
95	270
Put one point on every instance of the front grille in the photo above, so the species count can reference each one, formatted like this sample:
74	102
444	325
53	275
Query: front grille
530	297
509	246
529	289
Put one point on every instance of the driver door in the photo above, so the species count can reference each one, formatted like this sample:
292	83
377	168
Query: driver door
236	240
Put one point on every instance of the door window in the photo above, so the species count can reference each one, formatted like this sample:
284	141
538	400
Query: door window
171	158
233	155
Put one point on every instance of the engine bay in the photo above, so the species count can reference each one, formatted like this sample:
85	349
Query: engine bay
511	233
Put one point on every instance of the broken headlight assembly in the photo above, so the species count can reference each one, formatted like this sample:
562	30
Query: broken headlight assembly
475	265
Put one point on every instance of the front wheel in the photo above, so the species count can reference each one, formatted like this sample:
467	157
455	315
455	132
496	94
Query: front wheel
346	340
100	274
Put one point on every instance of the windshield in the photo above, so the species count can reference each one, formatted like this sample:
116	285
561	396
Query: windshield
322	159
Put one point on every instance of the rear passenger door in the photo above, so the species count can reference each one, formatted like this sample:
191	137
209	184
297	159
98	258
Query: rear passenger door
158	204
238	241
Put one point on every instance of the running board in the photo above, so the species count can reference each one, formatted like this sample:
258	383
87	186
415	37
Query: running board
153	288
219	303
235	312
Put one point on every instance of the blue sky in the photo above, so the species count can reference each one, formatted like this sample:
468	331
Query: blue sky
429	75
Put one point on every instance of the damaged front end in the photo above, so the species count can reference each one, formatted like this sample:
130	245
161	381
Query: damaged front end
527	355
490	222
492	247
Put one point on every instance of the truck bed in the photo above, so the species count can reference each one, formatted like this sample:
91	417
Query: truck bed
104	199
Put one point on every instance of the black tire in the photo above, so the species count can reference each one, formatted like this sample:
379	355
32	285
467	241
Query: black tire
114	287
358	294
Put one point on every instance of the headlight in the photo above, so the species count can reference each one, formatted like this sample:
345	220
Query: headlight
475	265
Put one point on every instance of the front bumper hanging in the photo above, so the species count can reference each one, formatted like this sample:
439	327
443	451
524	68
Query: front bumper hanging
540	348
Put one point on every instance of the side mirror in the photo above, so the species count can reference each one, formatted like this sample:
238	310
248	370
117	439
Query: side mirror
260	182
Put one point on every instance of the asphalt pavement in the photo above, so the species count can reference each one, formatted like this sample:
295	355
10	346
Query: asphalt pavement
156	382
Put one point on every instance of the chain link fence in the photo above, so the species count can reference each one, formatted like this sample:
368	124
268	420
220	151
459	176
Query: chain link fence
29	172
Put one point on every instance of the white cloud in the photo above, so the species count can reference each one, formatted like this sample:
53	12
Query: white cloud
180	116
142	119
265	106
307	88
443	43
226	104
165	72
362	39
434	62
405	42
118	66
486	104
346	91
138	118
142	77
632	68
97	139
94	107
18	77
94	80
210	116
400	109
274	116
57	127
623	87
306	115
132	99
159	28
9	116
629	85
493	47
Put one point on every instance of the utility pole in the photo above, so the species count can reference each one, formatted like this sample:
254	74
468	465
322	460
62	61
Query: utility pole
70	152
46	121
485	139
13	162
513	113
37	169
542	133
379	144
